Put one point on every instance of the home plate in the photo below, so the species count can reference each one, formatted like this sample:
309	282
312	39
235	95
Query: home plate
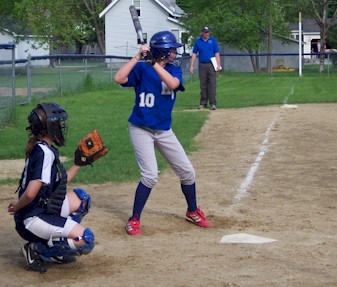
245	238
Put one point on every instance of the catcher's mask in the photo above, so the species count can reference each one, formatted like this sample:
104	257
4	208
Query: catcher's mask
53	123
162	44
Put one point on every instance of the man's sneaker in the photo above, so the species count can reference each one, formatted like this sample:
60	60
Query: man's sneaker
201	107
197	217
133	226
33	259
213	107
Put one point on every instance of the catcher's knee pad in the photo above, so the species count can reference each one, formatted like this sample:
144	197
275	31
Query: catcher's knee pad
84	207
89	238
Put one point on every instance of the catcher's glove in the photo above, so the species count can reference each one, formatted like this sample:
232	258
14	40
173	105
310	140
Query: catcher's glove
90	149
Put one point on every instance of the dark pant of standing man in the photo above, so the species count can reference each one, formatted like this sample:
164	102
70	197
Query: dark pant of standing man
207	77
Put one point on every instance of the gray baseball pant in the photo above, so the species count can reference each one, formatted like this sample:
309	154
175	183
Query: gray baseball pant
207	76
145	141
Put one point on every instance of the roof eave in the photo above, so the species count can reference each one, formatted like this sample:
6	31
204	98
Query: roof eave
167	9
107	8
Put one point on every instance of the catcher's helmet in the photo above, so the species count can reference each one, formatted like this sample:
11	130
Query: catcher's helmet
51	124
162	42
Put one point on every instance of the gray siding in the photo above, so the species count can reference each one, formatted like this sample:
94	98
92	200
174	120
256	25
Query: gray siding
120	36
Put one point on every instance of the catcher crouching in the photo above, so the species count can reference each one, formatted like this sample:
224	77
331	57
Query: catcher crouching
46	215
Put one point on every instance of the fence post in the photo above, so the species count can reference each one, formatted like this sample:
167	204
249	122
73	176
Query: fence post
110	70
329	65
60	76
29	78
85	67
13	104
13	78
300	44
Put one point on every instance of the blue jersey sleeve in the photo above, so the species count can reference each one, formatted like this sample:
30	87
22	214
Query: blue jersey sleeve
215	46
195	46
176	72
134	76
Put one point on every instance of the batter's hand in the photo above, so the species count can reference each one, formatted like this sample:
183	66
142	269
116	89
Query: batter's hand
191	69
147	55
142	50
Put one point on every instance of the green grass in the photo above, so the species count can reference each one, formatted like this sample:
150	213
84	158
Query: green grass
107	111
108	108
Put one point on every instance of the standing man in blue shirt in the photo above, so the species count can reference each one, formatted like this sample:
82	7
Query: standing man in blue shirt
206	47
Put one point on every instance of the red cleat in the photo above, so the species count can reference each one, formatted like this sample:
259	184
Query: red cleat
133	227
197	217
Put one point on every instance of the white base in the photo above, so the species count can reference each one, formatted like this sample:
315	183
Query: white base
245	238
289	106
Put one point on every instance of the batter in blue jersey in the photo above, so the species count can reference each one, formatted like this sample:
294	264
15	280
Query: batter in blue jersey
156	81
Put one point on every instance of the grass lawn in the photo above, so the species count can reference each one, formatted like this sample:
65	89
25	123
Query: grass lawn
107	109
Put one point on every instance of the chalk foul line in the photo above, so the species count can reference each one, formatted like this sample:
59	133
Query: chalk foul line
244	186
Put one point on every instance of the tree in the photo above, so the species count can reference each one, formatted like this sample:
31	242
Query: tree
243	24
93	8
7	21
320	11
59	22
332	36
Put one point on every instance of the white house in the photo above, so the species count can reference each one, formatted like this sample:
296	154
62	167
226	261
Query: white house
310	36
23	49
154	15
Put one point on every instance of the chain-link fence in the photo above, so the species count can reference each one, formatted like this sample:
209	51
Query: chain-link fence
7	83
43	76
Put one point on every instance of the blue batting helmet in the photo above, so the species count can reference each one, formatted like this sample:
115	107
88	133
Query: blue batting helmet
161	42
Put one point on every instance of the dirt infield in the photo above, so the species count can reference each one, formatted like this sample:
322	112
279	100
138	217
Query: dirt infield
268	172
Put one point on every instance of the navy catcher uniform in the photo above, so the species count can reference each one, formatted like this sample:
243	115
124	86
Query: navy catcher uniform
46	214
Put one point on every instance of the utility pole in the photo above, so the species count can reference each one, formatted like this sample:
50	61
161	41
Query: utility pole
270	38
300	44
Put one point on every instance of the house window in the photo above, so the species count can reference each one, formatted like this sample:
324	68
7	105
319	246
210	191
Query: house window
144	37
136	3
